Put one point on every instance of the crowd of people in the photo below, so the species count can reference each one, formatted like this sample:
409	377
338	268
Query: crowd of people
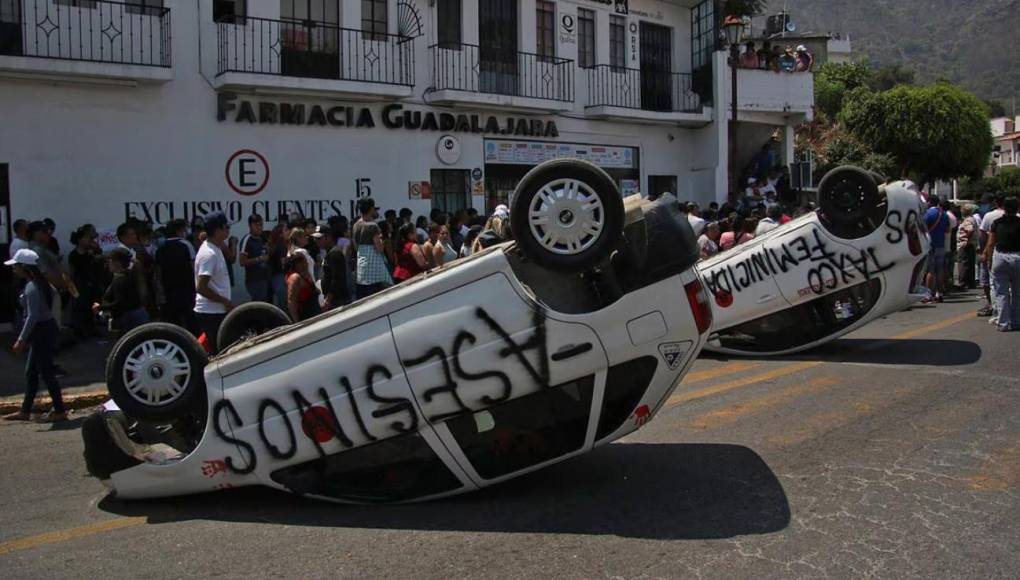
975	244
776	58
184	273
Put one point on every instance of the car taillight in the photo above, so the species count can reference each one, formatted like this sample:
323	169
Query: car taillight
913	239
702	310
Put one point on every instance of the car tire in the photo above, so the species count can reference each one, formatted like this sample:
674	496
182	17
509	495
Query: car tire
155	372
567	214
248	320
850	203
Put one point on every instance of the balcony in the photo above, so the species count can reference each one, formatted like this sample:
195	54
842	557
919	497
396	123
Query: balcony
465	74
644	96
280	56
771	97
85	41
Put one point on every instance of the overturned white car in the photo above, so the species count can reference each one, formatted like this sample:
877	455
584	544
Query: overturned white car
862	255
515	358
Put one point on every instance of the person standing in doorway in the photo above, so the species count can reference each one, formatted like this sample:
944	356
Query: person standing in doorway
212	282
39	335
255	261
372	273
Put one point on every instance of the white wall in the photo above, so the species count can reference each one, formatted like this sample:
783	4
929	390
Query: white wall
79	152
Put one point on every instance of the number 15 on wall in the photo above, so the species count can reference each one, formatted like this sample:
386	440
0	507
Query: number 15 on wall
363	187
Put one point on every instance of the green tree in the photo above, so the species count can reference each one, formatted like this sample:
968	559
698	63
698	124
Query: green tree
936	132
833	82
1005	182
995	108
890	76
845	149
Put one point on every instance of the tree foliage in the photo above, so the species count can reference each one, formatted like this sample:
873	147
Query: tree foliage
936	132
890	76
834	81
845	149
995	108
743	7
1006	182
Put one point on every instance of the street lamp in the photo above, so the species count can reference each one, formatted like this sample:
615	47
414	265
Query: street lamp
733	27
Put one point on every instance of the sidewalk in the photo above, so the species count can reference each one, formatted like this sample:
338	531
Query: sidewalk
84	386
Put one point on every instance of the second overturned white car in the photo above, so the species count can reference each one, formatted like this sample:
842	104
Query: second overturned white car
862	255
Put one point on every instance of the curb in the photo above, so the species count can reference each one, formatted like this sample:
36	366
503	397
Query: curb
71	401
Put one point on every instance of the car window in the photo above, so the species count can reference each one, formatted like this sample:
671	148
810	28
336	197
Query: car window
399	468
527	431
626	383
805	323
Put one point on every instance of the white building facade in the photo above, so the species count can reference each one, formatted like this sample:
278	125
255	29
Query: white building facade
170	109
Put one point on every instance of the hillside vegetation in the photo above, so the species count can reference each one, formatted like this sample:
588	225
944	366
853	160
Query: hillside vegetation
973	43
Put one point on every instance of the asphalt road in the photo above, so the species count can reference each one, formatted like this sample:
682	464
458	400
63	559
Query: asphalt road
892	453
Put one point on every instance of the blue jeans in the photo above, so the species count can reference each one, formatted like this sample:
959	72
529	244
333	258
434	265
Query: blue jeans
42	347
1006	288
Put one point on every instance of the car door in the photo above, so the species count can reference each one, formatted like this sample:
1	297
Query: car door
507	386
742	285
333	417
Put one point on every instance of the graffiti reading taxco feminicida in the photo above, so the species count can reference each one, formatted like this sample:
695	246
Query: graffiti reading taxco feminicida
827	266
377	416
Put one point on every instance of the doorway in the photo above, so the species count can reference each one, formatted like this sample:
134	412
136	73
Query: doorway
310	38
497	50
656	67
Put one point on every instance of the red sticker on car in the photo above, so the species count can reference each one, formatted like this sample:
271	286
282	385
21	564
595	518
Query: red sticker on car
318	425
724	299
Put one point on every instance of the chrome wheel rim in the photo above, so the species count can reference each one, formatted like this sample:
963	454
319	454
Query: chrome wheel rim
156	373
566	217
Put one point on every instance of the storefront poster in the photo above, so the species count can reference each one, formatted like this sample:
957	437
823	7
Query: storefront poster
419	190
629	186
532	153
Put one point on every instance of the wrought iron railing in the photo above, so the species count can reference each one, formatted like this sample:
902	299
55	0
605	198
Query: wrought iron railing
310	49
86	30
629	88
467	67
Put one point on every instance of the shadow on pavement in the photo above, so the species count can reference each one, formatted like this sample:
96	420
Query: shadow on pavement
888	351
654	491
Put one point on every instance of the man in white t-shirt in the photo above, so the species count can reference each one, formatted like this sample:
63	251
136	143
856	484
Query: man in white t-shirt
984	268
212	281
696	221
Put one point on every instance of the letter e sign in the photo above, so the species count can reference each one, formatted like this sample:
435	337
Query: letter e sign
247	172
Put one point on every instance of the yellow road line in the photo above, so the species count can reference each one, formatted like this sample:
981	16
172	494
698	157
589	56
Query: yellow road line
728	369
68	534
736	384
732	413
934	327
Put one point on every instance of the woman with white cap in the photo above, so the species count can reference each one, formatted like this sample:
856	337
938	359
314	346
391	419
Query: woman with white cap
39	335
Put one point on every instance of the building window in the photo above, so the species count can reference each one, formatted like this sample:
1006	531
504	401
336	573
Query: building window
232	11
374	19
617	41
449	23
451	189
703	34
585	38
546	21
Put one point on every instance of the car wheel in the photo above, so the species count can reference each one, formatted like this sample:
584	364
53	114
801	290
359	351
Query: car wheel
155	372
567	214
250	320
850	203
